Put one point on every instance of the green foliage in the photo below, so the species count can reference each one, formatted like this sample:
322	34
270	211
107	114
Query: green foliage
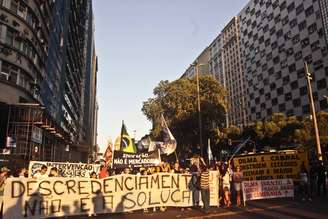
177	100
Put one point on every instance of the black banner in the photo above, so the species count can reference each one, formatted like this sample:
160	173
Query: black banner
146	159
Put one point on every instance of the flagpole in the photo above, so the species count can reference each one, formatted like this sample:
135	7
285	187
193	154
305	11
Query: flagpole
176	156
121	139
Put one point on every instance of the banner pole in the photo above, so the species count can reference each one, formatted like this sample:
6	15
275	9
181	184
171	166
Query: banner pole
176	156
121	139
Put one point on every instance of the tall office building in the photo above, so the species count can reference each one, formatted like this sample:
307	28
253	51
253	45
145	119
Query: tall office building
234	74
223	60
44	74
277	37
200	64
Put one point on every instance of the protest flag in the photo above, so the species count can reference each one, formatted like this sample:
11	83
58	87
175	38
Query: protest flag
126	143
169	142
108	155
241	145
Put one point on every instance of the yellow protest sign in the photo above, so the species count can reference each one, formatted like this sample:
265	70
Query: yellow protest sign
273	165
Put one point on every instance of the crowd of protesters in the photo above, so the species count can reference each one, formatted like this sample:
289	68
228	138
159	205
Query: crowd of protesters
311	180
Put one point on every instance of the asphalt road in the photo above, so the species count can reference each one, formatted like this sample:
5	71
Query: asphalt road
261	209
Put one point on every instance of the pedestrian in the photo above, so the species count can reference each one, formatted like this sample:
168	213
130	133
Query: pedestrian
93	175
322	179
176	168
237	180
23	173
42	174
313	179
3	176
226	187
204	187
126	170
304	183
195	184
103	173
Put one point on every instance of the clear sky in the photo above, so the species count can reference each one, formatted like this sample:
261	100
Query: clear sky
139	43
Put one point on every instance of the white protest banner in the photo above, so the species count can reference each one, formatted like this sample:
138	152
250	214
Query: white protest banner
55	197
266	189
64	169
214	188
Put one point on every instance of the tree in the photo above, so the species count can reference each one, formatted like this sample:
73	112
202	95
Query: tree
177	100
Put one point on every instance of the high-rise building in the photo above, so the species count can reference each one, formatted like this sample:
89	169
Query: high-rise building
200	64
47	69
233	73
277	37
223	60
89	124
216	66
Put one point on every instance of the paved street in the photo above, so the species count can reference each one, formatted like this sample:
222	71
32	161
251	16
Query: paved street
255	209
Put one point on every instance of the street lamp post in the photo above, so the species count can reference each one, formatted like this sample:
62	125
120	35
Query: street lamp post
314	117
199	110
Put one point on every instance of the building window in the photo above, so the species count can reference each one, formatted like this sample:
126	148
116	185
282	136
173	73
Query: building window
300	73
312	28
10	37
285	80
299	9
282	107
303	91
321	84
291	7
293	23
305	42
296	39
274	101
317	65
14	6
273	86
306	109
309	11
298	55
323	104
302	25
292	68
297	102
294	85
288	96
280	91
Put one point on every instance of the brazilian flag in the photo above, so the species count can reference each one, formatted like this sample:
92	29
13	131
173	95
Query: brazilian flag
126	143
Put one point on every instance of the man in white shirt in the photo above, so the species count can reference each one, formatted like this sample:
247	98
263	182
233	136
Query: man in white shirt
42	174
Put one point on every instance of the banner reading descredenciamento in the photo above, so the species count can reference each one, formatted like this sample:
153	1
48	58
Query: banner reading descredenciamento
55	197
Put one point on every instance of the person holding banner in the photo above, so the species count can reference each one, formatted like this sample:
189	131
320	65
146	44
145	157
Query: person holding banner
237	178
